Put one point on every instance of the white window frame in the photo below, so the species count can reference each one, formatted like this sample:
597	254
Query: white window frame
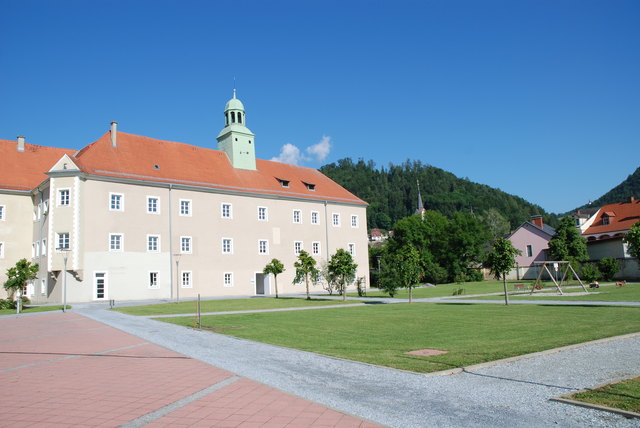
266	214
335	219
95	285
185	203
230	250
260	246
298	246
37	246
44	247
43	286
189	277
529	250
157	208
1	250
189	248
351	249
157	243
297	216
33	250
45	207
66	200
316	248
153	278
227	279
64	238
120	207
3	210
121	243
39	211
315	217
224	214
354	221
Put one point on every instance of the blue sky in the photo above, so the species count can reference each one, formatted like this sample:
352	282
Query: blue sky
538	98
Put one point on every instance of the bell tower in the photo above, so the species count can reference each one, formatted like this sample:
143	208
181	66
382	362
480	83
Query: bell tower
235	139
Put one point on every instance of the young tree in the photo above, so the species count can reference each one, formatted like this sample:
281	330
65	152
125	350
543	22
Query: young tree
500	260
275	267
343	269
17	277
608	267
633	240
401	268
306	270
567	244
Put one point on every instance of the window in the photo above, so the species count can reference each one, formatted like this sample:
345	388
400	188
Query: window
605	220
354	221
297	216
44	247
228	279
45	207
115	242
185	244
297	247
33	249
226	211
185	207
37	246
315	217
153	205
153	243
262	213
263	246
153	280
39	211
284	183
336	219
529	250
352	249
116	202
63	197
186	279
1	250
63	240
227	245
43	287
310	186
2	210
315	248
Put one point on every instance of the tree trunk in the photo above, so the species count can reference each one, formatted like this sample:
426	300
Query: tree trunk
19	301
344	291
504	281
275	279
410	294
306	282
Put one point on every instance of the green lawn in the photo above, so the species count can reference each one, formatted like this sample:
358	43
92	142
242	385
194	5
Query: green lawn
622	395
381	334
31	309
606	293
442	290
227	305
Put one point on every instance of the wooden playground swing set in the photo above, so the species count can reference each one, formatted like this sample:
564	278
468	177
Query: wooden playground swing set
563	267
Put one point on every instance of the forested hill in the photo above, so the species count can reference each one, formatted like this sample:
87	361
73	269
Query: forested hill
620	193
393	194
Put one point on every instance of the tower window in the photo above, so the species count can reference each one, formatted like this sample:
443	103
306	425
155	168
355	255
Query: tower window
226	119
239	117
233	117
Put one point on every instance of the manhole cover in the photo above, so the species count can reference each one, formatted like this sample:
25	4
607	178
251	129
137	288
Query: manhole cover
426	352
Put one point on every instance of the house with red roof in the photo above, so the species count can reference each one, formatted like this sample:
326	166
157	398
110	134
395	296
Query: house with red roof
134	217
532	239
605	231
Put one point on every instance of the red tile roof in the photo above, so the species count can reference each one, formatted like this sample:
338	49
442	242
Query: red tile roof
25	170
149	159
621	215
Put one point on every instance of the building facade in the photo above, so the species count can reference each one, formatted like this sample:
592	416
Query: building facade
138	218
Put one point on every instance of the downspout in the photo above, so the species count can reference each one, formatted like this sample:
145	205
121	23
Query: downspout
170	246
326	230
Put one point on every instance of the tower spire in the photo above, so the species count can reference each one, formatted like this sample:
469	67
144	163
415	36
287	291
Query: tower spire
420	209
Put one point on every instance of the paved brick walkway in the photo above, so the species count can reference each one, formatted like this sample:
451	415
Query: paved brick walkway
68	370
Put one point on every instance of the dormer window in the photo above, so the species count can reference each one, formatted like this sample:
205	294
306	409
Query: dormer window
284	183
310	186
605	220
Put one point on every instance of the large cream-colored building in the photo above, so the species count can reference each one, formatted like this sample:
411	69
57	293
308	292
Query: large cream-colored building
141	218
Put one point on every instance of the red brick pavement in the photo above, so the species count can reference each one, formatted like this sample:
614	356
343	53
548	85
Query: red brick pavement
63	369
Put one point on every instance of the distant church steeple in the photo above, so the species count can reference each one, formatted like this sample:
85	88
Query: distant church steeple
420	209
235	139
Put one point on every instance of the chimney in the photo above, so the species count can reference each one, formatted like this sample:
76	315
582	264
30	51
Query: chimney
21	144
632	199
114	134
537	220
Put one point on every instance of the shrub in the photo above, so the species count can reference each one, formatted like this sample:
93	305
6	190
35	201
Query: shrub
7	304
589	272
608	267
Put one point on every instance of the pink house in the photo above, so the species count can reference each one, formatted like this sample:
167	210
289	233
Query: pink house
532	239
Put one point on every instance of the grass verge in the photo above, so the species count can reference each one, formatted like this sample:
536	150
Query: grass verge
382	334
442	290
623	395
32	309
227	305
606	293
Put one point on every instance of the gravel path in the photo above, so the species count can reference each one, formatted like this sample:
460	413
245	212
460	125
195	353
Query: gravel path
504	395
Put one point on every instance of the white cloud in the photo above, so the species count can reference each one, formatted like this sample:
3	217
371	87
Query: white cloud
318	152
289	154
